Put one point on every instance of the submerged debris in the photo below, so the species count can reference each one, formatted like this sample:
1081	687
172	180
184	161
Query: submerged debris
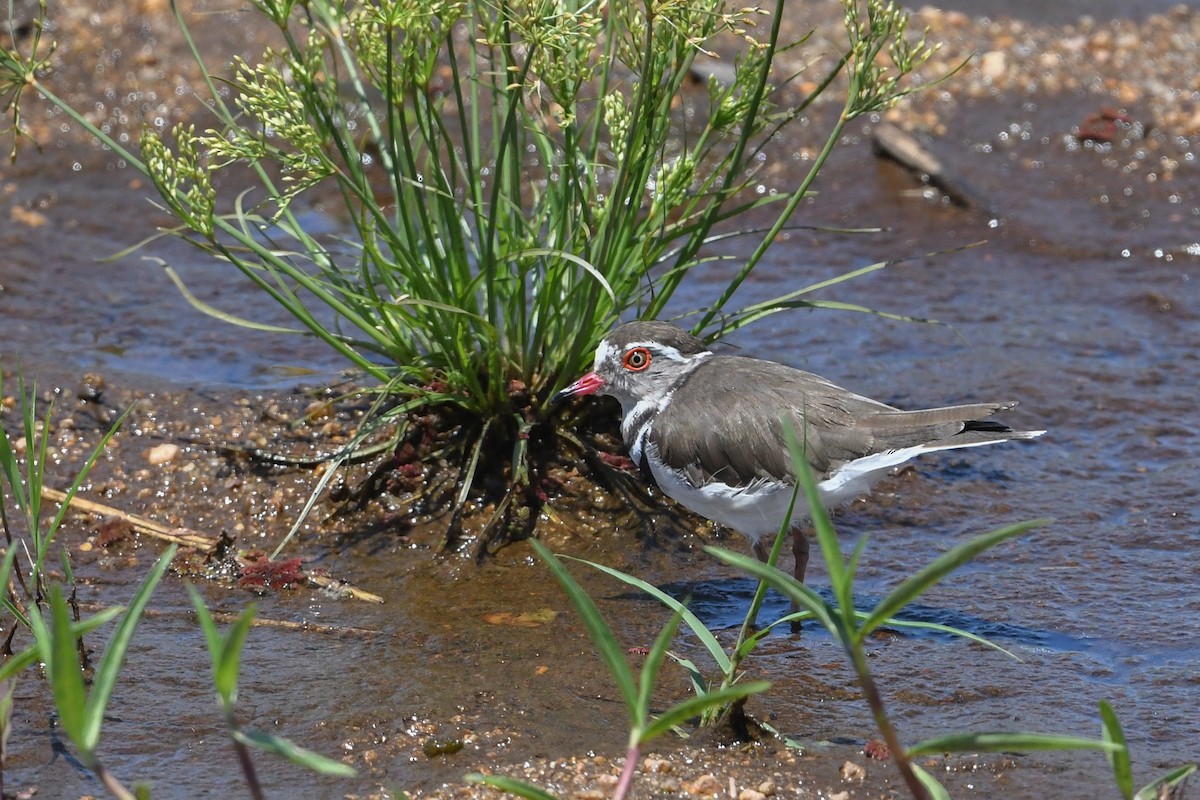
260	572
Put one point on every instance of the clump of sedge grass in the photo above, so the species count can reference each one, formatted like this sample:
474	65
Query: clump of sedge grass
514	176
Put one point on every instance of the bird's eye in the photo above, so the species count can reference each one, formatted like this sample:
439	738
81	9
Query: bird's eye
637	359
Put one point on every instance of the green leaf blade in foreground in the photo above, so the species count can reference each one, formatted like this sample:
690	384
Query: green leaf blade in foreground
114	654
66	676
650	667
697	627
1119	760
951	630
510	785
694	706
1005	742
212	636
10	469
601	634
930	575
1172	778
6	570
786	584
225	676
224	651
839	578
82	473
294	753
931	784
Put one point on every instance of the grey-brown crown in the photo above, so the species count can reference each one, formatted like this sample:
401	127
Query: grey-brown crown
662	333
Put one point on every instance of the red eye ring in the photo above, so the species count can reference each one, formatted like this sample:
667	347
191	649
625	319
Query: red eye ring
637	359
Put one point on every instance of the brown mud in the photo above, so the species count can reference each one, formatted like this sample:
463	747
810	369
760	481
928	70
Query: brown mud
1083	304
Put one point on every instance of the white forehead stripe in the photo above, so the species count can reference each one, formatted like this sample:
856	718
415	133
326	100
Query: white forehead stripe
606	350
669	352
602	352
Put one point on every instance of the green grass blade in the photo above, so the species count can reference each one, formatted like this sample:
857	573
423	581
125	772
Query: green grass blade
650	667
694	706
1005	742
950	629
216	313
224	651
1118	759
212	636
225	676
784	583
1176	776
916	585
841	577
931	784
277	745
97	620
752	641
582	263
80	477
66	676
699	683
757	311
10	469
602	636
735	322
19	662
697	627
510	785
114	654
6	574
7	689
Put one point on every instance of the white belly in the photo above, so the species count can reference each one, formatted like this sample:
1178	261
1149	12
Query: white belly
759	510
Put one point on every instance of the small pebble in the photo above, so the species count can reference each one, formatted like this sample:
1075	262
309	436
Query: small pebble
853	772
434	747
162	453
993	64
704	785
91	388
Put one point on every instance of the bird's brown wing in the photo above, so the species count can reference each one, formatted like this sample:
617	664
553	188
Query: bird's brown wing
729	424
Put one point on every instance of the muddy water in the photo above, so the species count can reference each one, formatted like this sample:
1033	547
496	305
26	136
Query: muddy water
1083	305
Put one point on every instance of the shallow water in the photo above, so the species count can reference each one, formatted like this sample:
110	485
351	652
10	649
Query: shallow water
1083	305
